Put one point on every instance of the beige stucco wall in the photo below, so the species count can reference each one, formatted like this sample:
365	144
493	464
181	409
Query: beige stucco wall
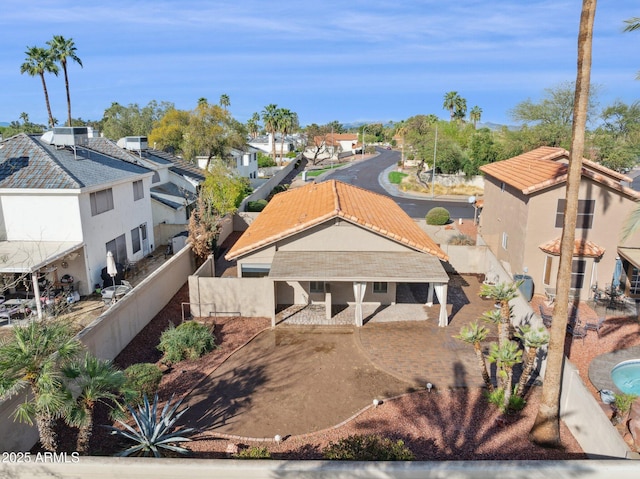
530	221
250	297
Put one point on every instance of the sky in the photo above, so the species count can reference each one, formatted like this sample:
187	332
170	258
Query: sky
351	61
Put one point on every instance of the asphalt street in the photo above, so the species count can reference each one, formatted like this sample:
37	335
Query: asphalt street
372	175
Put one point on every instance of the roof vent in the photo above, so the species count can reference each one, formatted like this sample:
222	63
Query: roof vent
70	136
133	143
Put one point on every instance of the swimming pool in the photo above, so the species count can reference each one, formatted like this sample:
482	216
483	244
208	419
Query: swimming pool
626	376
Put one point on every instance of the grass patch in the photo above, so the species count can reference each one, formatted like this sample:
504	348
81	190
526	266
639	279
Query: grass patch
314	173
396	177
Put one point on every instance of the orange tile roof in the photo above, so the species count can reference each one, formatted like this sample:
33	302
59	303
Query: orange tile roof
581	247
299	209
545	166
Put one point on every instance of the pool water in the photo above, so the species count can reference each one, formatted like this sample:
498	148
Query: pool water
626	376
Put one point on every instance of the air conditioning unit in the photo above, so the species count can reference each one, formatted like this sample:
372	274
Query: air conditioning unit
70	136
133	143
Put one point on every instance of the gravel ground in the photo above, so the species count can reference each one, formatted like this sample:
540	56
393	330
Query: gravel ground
441	425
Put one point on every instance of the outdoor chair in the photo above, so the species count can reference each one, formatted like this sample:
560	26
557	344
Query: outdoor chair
546	316
577	331
595	325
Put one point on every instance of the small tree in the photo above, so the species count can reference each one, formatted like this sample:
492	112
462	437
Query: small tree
474	334
532	339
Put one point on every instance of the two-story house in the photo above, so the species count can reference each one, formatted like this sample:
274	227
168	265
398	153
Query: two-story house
521	222
63	206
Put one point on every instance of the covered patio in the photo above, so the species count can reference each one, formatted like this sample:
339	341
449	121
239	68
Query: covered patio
359	281
30	262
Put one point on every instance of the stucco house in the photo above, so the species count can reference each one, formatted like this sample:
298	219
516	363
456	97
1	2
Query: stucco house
523	210
63	206
333	244
333	145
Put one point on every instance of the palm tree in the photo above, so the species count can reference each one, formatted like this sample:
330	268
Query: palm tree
461	109
270	120
253	124
502	293
286	122
505	356
474	334
546	427
97	380
32	358
450	101
38	62
63	50
532	339
474	115
224	101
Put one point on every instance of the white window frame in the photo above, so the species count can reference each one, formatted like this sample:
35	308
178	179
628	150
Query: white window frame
316	287
101	201
138	190
380	287
505	241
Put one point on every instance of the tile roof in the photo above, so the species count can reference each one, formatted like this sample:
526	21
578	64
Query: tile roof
547	166
582	247
28	162
299	209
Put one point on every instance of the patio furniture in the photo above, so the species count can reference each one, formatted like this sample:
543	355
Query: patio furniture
546	316
550	293
111	294
595	325
577	331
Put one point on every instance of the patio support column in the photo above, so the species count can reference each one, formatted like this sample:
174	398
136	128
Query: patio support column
359	288
273	306
327	301
36	293
430	295
441	293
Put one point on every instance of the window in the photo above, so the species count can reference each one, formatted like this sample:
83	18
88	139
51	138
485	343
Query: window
634	282
118	248
505	240
578	268
586	210
379	287
101	201
135	240
548	264
316	286
255	270
138	191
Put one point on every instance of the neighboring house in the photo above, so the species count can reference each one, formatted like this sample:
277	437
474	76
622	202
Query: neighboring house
244	163
264	143
63	206
175	182
332	145
522	217
334	244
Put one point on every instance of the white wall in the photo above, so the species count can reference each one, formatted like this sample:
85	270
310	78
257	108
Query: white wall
30	215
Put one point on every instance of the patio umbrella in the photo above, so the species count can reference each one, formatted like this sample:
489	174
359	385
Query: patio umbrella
617	273
111	267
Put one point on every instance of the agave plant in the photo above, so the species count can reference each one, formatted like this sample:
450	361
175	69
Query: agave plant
154	432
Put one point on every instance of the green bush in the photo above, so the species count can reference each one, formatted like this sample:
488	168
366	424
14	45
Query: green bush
438	216
395	177
265	161
254	452
141	379
462	240
256	206
516	403
190	340
368	448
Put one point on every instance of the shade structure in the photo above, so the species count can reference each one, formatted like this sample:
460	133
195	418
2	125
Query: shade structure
112	270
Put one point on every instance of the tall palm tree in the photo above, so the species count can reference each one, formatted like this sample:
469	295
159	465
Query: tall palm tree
32	358
474	334
450	101
546	427
286	122
224	101
62	50
38	62
475	114
532	339
270	120
97	380
253	124
461	109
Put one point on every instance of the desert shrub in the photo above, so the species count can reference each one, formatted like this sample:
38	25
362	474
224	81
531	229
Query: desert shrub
254	452
141	379
516	403
255	206
190	340
462	240
367	448
438	216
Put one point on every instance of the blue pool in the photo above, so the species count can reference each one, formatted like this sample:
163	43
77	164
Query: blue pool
626	376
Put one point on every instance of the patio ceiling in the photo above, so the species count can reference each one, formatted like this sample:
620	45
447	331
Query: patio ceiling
631	254
30	256
357	266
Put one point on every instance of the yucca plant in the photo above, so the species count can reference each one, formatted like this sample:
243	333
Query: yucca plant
152	432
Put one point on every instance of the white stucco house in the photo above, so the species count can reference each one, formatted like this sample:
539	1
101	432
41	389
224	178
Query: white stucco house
63	206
